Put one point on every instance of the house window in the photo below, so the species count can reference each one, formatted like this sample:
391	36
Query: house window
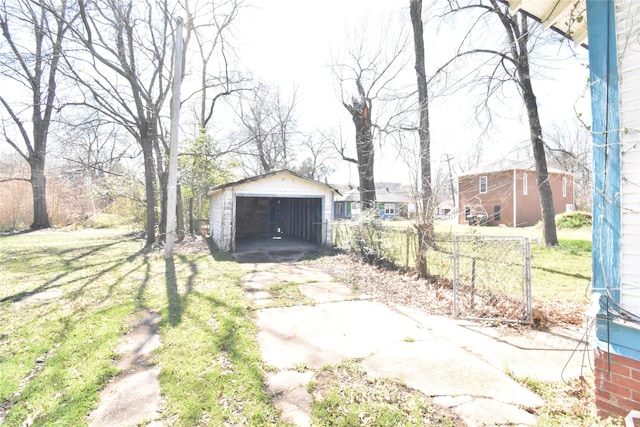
467	212
564	186
525	184
389	208
483	184
496	212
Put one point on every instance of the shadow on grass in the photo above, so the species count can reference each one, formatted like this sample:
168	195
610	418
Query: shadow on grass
16	232
562	273
177	303
55	281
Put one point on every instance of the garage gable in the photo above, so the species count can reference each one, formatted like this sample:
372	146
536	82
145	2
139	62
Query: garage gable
279	204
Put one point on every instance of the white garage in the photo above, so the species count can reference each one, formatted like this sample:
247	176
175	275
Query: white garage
278	204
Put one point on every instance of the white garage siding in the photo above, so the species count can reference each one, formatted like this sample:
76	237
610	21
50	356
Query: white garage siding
283	184
628	24
220	214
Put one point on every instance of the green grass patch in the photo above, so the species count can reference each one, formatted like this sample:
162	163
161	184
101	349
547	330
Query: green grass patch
574	219
65	301
345	396
561	273
287	294
568	404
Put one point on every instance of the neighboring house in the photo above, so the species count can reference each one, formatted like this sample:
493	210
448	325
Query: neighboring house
392	201
446	210
614	64
280	203
505	192
347	204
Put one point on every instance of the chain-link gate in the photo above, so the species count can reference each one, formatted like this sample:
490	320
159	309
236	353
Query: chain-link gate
492	278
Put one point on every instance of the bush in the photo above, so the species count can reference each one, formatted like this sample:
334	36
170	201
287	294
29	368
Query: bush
368	238
575	219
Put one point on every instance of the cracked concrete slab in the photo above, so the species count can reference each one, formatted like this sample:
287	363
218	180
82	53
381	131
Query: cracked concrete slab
460	364
314	336
477	411
440	368
323	292
288	390
133	397
521	351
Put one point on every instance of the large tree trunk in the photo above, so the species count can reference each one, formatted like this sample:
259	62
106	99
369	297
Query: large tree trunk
544	187
38	187
149	181
361	116
425	220
535	129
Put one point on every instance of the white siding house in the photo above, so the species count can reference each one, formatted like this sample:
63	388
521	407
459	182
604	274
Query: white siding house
613	28
278	203
628	29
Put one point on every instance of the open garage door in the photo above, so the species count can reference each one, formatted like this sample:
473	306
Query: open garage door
259	217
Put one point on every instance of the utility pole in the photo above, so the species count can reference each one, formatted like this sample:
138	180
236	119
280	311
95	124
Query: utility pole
172	179
453	193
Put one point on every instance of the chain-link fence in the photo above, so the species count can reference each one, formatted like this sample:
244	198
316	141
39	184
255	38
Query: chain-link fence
491	275
383	245
492	278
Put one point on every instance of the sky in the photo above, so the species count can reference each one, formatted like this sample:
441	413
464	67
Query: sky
290	43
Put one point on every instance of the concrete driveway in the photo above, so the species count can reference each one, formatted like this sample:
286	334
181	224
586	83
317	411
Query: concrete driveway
460	364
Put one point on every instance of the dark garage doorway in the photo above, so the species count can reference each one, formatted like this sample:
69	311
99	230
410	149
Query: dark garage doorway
291	217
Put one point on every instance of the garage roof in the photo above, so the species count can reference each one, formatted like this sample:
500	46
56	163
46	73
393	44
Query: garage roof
258	177
568	17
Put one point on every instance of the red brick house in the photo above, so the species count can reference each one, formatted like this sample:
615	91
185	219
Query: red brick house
505	192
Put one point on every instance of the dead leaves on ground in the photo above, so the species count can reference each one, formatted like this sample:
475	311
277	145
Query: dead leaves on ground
434	296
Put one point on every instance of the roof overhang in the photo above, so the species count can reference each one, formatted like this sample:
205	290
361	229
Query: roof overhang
220	187
568	17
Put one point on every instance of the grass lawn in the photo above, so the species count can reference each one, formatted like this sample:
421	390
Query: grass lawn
65	298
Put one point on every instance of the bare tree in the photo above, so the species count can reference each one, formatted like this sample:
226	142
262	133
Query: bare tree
512	65
427	208
209	25
570	150
92	150
318	163
365	75
30	57
126	76
268	129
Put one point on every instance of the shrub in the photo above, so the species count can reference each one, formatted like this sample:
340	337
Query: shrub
368	238
575	219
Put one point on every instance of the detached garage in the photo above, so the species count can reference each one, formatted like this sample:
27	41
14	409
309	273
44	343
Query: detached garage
277	204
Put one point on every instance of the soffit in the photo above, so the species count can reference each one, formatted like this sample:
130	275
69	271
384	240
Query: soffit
568	17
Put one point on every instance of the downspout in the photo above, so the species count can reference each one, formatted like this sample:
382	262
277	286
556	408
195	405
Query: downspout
515	199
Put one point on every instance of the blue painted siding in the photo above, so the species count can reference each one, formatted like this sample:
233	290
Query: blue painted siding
605	102
618	339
